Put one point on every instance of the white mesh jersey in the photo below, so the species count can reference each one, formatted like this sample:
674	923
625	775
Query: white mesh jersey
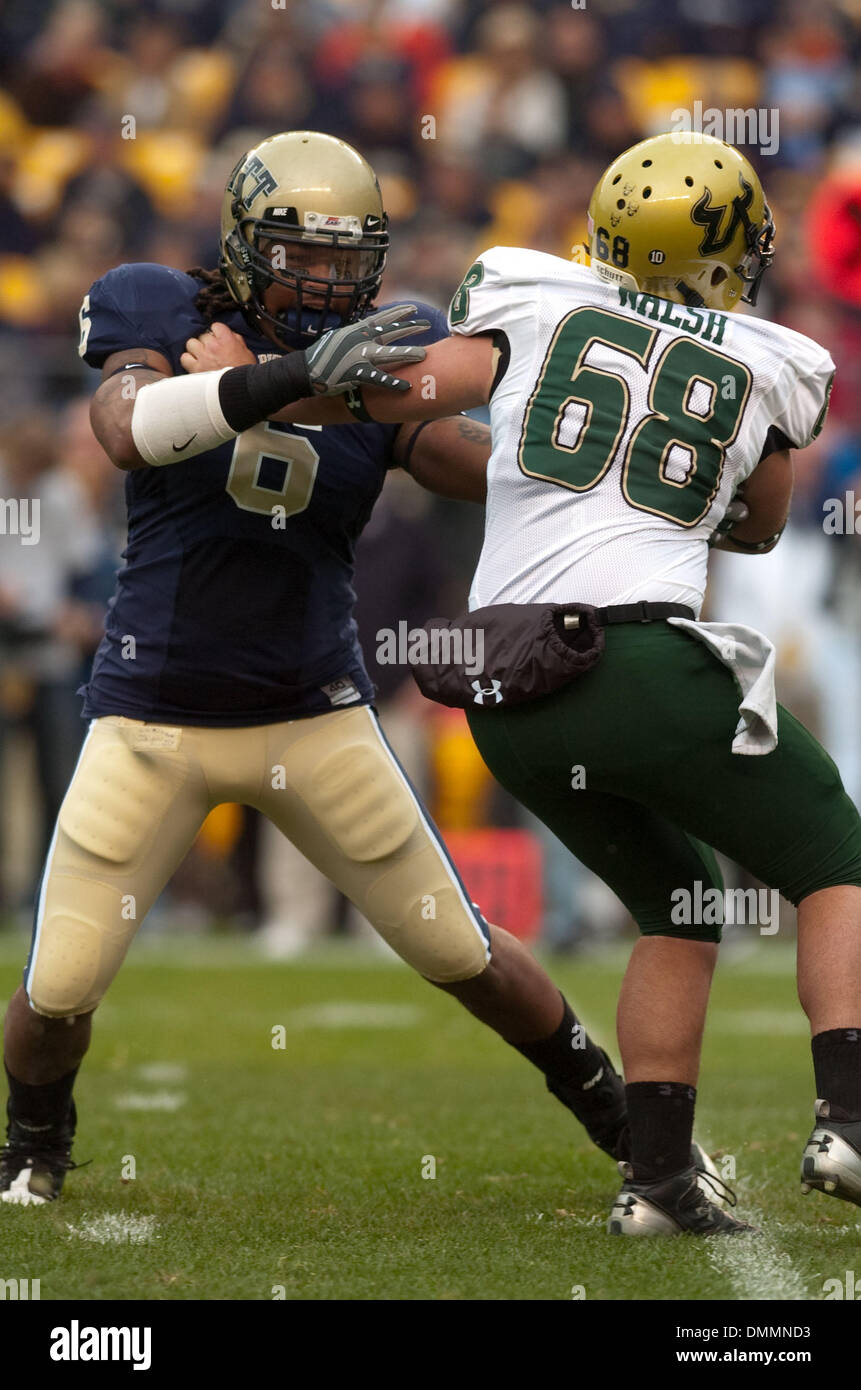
621	428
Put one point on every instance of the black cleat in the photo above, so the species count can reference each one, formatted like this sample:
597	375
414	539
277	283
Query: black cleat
602	1109
35	1161
671	1206
832	1157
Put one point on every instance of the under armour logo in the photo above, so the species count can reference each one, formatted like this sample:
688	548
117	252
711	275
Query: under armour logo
481	691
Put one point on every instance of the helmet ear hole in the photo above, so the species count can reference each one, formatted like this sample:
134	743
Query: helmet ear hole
718	276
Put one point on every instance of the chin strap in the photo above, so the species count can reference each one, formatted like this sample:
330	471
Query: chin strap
692	299
291	332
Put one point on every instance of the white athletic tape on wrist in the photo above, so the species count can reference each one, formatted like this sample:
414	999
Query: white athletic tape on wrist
180	411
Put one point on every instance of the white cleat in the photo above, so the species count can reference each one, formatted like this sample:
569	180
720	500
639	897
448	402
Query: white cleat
20	1194
832	1157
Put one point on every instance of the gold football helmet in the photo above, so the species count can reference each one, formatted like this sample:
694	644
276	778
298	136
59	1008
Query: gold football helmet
682	216
303	188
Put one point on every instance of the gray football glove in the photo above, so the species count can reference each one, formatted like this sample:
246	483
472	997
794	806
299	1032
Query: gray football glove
358	354
735	512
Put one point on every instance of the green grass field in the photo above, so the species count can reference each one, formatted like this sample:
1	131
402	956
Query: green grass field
301	1167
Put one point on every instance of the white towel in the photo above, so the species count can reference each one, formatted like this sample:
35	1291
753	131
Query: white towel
751	658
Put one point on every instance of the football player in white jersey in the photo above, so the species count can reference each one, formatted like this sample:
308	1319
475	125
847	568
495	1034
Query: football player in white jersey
632	412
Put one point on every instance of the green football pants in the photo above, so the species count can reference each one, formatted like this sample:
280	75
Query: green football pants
651	726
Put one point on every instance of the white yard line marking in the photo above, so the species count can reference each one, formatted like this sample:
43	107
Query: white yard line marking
803	1228
596	1222
114	1228
163	1073
755	1266
760	1022
157	1100
346	1014
771	957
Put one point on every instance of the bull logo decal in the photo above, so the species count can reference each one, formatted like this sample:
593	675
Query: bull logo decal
713	218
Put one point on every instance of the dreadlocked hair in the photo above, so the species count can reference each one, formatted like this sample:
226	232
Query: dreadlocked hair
215	298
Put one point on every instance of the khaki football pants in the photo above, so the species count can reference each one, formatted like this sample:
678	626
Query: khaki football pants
141	792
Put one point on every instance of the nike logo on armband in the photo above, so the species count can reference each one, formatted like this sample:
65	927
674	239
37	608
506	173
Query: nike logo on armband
587	1085
178	448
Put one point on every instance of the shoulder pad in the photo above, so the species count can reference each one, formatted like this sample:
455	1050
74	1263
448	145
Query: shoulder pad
438	325
138	306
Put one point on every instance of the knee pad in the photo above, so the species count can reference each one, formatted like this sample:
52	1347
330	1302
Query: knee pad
396	872
107	823
423	916
80	944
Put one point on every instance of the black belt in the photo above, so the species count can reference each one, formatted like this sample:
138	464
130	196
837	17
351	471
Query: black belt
637	613
642	613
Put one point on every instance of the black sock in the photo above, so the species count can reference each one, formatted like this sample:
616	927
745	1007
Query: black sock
661	1116
568	1058
40	1108
837	1067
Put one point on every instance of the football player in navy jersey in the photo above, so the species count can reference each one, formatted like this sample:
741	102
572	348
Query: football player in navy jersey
230	668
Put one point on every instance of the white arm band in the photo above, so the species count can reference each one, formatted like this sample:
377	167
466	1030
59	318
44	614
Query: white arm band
179	417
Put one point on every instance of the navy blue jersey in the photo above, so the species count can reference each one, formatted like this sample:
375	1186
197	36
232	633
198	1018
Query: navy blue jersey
235	603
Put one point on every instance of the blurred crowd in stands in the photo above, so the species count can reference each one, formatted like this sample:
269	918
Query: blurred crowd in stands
487	122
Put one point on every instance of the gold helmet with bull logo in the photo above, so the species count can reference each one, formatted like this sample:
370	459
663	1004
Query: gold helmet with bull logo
682	216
